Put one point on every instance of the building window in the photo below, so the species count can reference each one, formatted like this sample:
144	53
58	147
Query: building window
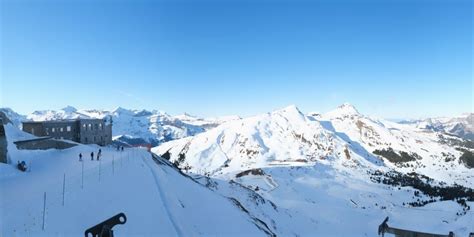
68	128
90	127
61	129
32	131
84	126
96	126
100	126
53	129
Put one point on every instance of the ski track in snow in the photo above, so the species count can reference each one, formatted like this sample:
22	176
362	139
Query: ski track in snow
163	199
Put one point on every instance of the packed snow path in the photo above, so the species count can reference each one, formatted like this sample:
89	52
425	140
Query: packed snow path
162	198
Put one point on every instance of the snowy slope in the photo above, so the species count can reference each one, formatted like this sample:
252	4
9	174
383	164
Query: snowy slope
324	168
157	199
281	173
371	134
281	137
286	136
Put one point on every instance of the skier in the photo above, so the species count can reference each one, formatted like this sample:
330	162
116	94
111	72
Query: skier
122	148
80	156
92	155
99	154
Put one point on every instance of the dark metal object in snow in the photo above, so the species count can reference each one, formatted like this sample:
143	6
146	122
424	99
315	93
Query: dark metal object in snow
22	166
384	228
104	229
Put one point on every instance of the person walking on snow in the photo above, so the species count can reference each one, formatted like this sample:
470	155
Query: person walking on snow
99	154
80	156
92	155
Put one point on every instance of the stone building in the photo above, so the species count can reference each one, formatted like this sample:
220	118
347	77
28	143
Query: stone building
85	131
3	143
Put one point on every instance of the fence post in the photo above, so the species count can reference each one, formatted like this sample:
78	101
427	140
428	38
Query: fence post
44	208
113	164
100	164
64	186
82	177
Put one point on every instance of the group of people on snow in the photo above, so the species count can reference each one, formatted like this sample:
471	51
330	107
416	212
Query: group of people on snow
99	154
119	148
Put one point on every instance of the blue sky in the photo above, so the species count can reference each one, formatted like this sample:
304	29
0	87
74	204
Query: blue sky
390	58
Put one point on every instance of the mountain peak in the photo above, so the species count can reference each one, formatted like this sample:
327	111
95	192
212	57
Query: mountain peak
69	109
120	110
347	108
290	111
343	110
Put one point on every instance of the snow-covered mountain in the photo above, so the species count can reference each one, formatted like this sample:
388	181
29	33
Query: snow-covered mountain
287	136
148	191
132	127
340	168
14	117
281	173
403	147
280	137
461	126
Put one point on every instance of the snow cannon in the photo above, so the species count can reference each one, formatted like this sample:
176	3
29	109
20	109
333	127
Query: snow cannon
104	229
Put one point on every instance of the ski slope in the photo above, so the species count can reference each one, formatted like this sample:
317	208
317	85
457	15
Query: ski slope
157	199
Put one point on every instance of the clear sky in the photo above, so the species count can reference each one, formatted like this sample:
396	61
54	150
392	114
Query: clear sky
390	58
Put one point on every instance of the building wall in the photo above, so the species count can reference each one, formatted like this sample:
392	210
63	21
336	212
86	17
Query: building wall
85	131
34	128
62	130
95	132
3	144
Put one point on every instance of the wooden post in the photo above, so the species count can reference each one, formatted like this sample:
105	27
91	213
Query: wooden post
100	164
113	164
82	179
64	186
44	208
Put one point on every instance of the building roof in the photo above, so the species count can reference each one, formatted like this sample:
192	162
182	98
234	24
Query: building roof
61	121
